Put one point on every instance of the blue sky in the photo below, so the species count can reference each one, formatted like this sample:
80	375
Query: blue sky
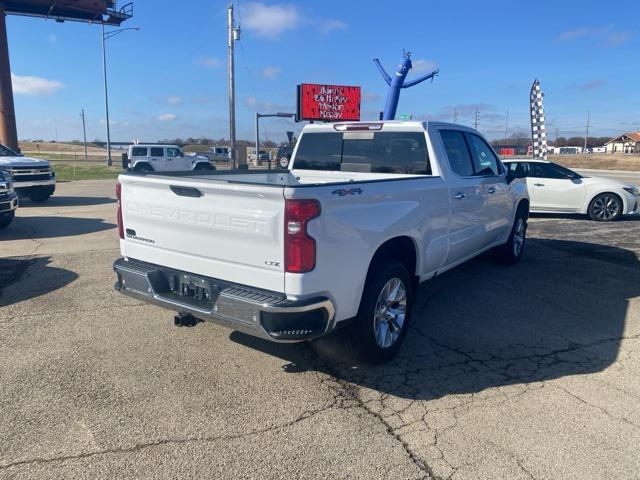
169	78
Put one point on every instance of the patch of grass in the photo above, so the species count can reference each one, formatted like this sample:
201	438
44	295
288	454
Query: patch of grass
85	171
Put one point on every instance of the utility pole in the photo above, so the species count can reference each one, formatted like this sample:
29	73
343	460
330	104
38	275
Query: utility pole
455	115
84	134
8	132
475	123
106	98
506	127
586	133
557	133
233	36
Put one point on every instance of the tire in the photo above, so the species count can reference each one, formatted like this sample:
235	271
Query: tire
143	167
511	252
606	207
40	195
377	334
204	166
6	219
283	162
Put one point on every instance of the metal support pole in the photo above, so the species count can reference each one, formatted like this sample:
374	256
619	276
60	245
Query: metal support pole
232	89
8	131
84	134
257	138
106	98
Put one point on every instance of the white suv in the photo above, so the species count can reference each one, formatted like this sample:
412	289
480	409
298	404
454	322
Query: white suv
163	158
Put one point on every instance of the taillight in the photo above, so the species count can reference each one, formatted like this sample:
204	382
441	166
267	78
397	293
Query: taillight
299	247
119	197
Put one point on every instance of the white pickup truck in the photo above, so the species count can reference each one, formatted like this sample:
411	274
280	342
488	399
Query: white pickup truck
367	211
31	177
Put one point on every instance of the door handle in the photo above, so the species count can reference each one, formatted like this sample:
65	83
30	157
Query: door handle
538	184
492	190
459	196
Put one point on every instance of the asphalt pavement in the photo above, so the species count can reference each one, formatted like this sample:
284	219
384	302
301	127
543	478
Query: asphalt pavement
530	371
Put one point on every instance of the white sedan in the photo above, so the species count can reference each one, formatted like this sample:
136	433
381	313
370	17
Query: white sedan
556	189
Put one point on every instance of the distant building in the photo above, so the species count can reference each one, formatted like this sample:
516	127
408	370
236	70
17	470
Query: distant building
510	150
625	143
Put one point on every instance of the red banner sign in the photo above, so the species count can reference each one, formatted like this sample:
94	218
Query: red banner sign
329	103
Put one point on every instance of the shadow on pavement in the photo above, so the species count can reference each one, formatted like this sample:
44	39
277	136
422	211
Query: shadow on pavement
24	228
12	270
575	216
62	201
560	312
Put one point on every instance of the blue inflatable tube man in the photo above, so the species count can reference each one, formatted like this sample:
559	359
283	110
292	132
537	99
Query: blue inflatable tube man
398	82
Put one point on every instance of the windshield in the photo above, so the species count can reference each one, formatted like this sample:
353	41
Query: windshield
378	152
7	152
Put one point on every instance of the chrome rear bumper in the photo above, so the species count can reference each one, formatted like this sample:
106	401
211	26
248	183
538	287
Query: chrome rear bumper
265	314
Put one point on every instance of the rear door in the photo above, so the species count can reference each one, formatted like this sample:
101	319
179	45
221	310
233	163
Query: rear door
212	228
466	230
157	159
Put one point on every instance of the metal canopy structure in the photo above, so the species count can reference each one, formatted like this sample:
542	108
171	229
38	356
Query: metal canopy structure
105	12
90	11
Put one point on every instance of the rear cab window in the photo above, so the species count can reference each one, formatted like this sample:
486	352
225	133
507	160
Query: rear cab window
375	152
469	155
457	152
139	151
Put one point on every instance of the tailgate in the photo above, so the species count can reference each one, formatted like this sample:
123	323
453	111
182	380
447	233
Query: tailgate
232	232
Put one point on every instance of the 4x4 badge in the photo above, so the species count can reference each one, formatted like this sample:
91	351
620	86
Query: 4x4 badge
351	191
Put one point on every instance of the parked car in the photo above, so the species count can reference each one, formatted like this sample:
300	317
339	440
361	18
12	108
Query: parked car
8	200
31	177
284	156
217	154
163	158
556	189
367	211
265	156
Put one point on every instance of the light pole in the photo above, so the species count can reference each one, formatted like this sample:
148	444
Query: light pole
106	36
263	115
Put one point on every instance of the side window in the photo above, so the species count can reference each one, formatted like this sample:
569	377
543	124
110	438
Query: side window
457	152
157	152
139	152
173	152
485	162
518	169
546	170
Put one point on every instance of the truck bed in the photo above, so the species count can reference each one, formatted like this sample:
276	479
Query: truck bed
292	178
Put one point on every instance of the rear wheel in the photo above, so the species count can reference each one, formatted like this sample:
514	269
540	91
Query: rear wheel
6	219
143	167
204	166
605	207
378	331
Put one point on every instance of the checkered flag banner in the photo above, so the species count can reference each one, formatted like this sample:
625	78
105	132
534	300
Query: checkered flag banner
538	130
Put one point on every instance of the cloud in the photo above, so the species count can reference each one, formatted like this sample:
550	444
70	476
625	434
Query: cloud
269	21
271	72
327	26
34	85
592	85
608	36
208	62
423	66
174	100
52	38
167	117
617	38
369	97
253	103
